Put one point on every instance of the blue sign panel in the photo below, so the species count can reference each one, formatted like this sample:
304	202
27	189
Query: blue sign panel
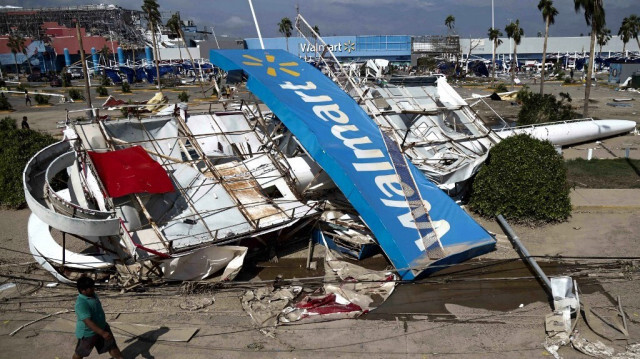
416	224
365	46
614	73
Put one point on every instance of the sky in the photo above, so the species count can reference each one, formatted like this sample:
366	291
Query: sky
372	17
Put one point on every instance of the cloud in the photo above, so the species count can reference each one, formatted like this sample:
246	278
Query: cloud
235	22
372	17
406	3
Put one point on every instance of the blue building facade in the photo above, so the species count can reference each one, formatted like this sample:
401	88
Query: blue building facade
395	48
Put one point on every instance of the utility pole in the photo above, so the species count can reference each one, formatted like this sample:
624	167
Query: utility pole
84	69
256	22
213	31
493	26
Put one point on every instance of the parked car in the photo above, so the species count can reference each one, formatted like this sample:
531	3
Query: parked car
76	72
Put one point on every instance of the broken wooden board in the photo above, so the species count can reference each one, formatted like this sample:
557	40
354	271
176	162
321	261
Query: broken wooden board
129	330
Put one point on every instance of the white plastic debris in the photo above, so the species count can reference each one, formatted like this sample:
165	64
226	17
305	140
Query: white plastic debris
7	286
562	289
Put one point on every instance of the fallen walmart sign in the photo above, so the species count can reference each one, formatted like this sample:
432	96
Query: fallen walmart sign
417	225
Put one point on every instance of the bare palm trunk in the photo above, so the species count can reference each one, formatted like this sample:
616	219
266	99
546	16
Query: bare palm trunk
85	72
157	57
624	48
587	90
544	56
180	49
514	65
15	61
192	62
29	65
493	65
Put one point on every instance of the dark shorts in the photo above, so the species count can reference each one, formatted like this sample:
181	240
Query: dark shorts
86	345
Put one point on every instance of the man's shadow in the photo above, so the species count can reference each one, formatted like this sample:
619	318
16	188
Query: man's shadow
143	343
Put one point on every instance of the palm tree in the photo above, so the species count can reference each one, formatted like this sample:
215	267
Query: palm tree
450	22
594	17
316	29
24	52
625	33
494	35
150	8
285	27
548	14
634	22
515	32
175	25
15	43
602	38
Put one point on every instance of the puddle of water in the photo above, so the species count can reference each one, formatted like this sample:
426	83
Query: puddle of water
287	268
497	286
490	285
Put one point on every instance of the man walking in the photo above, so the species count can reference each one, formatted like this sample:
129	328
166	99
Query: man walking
92	329
27	99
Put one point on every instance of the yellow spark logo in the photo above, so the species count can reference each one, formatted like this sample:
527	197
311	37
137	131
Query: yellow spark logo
270	63
349	46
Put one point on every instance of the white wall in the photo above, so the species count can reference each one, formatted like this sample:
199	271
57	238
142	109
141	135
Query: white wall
533	45
174	53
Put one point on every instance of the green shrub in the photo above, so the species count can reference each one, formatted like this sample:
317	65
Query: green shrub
4	104
76	94
523	93
41	99
565	96
125	111
126	88
537	108
183	96
21	87
7	124
524	179
568	81
427	63
66	79
501	87
102	91
17	146
105	81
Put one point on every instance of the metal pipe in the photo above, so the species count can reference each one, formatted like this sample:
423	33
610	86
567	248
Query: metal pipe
525	254
310	252
84	69
64	246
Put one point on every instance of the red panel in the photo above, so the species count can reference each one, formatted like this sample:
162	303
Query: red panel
326	305
131	170
4	49
71	43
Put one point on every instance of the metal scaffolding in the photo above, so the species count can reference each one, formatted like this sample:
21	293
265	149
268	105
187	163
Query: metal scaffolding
122	25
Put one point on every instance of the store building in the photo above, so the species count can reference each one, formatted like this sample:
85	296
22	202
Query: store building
395	48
